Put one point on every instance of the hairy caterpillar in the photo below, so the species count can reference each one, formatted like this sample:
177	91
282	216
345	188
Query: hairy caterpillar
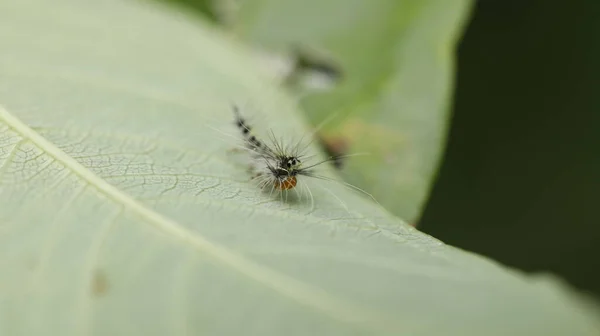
278	167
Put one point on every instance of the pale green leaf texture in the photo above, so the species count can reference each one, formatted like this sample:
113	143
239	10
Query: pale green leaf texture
397	58
121	212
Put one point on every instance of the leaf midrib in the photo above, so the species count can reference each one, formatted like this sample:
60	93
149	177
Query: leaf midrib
298	291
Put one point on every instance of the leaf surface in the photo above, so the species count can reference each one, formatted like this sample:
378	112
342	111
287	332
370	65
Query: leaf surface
121	212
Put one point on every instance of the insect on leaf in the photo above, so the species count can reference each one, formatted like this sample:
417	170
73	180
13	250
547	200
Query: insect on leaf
122	214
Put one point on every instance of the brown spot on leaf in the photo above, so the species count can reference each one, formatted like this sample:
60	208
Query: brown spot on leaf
99	284
335	146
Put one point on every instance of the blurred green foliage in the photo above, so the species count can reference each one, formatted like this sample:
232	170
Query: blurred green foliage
396	59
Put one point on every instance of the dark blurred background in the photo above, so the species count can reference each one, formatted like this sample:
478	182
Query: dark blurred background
520	180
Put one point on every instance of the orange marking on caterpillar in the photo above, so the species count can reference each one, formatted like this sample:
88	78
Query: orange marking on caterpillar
287	184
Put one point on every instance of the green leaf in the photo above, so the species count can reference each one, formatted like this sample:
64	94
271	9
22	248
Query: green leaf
121	212
397	58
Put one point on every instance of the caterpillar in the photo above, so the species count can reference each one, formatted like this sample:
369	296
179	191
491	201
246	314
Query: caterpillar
281	165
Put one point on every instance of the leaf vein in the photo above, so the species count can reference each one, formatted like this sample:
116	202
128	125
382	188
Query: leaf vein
291	288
